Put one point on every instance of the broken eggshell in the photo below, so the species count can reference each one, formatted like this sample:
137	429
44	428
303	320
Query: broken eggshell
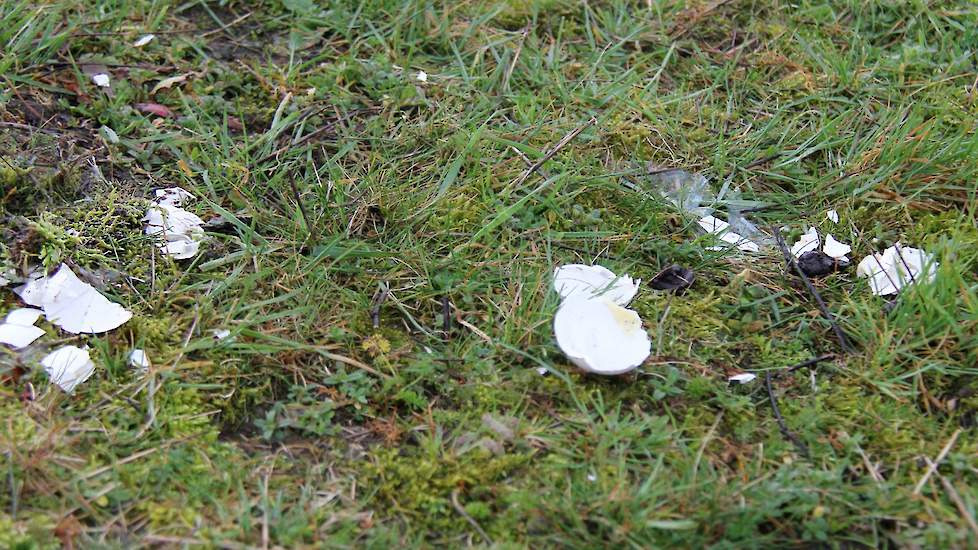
68	366
594	280
896	268
600	336
72	305
808	242
835	249
139	360
18	328
721	229
742	378
178	232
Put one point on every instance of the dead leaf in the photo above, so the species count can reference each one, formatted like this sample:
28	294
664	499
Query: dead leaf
234	124
168	83
154	109
182	164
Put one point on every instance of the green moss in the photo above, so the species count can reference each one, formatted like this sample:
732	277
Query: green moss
420	486
35	532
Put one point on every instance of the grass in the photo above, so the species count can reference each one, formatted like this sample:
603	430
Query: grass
353	193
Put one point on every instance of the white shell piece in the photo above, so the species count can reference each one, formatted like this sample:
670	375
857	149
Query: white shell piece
138	359
806	243
600	336
743	378
19	336
68	366
593	280
721	229
835	249
896	267
23	316
143	40
75	306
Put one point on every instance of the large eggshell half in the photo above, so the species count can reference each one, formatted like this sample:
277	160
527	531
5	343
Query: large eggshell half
588	281
600	336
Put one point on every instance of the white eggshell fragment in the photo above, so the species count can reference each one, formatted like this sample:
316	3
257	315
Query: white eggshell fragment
18	328
68	366
835	249
743	378
721	229
833	216
593	280
32	291
806	243
895	268
19	336
139	360
600	336
23	316
143	40
77	307
178	232
101	80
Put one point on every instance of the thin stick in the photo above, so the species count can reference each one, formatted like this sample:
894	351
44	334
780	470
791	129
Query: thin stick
550	154
937	461
227	26
461	511
28	128
788	434
956	498
810	362
843	342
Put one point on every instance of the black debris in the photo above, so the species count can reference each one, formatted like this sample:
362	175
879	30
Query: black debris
816	263
673	277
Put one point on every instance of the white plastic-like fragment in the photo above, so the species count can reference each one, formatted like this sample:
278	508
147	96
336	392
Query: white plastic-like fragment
721	229
220	333
178	232
835	249
897	267
422	76
101	80
833	216
68	366
600	336
139	360
588	281
143	40
543	371
743	378
806	243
